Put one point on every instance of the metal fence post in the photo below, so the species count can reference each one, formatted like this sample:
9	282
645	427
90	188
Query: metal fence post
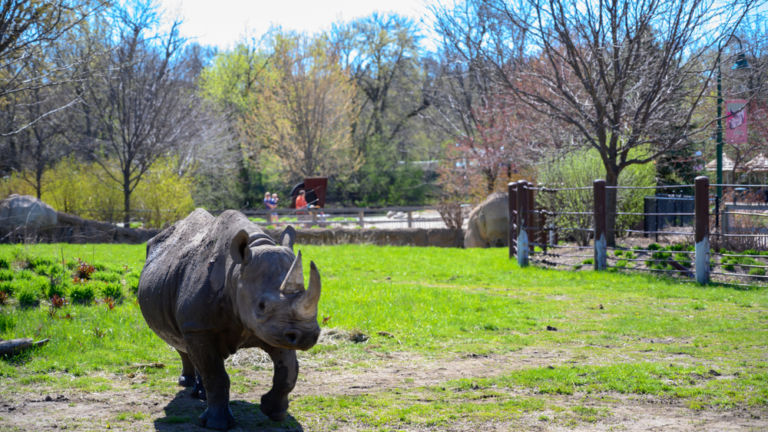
601	250
702	229
522	216
512	233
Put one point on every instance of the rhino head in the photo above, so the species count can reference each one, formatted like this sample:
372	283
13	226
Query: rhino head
270	297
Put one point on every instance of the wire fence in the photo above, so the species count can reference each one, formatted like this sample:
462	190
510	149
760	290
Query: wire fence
560	227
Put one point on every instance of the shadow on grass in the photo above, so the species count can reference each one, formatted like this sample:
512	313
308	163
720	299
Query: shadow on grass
182	412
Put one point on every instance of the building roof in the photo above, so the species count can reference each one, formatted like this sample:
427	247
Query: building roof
727	164
758	164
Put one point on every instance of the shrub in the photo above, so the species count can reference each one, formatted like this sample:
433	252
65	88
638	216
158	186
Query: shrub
5	262
60	289
83	270
82	293
580	169
7	322
28	296
39	262
25	274
162	196
757	271
132	282
6	275
7	287
112	290
106	277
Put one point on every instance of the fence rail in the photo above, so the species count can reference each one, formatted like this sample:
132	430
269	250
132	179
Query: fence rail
680	236
385	217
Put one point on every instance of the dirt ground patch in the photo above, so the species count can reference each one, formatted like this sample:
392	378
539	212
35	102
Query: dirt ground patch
129	406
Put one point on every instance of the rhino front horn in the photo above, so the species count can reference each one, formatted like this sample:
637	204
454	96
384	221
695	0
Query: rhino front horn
306	305
294	280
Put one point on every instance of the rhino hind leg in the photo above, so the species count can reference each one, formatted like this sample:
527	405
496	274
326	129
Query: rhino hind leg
198	391
274	404
187	377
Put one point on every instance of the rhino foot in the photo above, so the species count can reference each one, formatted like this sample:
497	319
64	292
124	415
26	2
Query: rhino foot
219	418
198	391
276	408
187	380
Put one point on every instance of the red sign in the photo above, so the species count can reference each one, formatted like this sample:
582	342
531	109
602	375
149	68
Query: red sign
736	121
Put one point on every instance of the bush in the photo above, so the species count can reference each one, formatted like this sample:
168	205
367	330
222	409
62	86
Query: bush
60	289
580	169
39	262
757	271
82	293
7	322
163	197
6	275
25	274
112	290
8	287
28	296
5	262
132	282
106	277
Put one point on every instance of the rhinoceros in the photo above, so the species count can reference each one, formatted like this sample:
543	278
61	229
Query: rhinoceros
213	285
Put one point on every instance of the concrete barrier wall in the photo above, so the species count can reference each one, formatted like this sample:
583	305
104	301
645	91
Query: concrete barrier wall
438	237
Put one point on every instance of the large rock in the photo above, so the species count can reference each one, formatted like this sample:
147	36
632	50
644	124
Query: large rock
488	224
25	214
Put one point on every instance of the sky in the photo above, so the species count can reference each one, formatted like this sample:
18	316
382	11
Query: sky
223	23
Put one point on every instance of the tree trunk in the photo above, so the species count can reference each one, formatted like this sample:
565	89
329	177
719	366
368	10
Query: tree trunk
127	202
611	179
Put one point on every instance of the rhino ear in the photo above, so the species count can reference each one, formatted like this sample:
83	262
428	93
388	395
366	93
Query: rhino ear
238	249
288	237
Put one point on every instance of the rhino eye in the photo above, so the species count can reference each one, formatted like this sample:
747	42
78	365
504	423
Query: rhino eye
262	306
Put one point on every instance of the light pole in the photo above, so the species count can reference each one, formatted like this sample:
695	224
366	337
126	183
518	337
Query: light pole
741	63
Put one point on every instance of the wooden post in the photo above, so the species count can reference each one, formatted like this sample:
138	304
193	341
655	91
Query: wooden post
600	242
512	232
530	221
701	239
522	229
410	219
361	218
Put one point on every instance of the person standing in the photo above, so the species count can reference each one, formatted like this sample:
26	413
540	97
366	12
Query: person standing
301	201
269	205
273	200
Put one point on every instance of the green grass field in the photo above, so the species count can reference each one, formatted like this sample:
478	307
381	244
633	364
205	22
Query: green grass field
568	347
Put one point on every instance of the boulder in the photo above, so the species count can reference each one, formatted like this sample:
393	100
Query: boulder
26	215
488	224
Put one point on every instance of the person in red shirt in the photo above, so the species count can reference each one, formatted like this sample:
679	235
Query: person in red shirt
301	201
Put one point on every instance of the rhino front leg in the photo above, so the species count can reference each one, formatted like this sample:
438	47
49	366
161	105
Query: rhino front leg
275	402
210	365
187	378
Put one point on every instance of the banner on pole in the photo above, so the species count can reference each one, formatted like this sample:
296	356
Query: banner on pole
736	121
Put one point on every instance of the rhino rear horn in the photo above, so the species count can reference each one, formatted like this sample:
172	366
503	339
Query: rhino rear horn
294	280
306	305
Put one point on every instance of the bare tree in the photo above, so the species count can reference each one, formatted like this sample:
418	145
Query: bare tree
29	70
626	75
139	100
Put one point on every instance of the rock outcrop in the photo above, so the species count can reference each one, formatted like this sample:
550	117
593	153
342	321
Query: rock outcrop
488	224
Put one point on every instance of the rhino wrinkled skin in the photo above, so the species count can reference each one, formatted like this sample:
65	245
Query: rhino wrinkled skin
211	286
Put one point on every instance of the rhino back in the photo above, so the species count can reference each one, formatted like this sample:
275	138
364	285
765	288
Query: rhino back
182	286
